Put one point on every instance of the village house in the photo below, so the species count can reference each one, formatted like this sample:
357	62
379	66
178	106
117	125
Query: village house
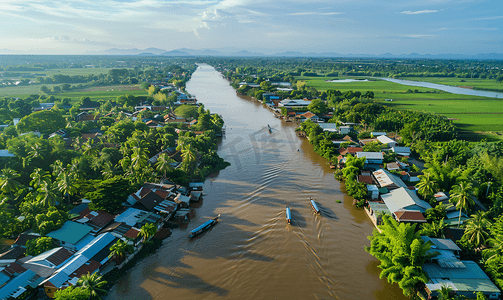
464	277
72	235
371	157
385	179
405	205
387	141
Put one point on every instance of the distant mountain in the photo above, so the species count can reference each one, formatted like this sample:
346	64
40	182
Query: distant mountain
230	51
176	53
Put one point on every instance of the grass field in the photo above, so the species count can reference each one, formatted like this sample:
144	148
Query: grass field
469	113
94	92
70	72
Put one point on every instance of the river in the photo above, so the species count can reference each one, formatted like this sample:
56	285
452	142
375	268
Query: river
252	253
446	88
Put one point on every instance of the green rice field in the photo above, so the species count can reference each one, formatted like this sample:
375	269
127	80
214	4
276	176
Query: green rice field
469	113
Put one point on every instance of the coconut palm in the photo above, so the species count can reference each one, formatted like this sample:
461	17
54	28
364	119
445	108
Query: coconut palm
66	183
163	164
476	229
38	177
8	182
139	159
93	283
189	156
89	148
48	194
445	292
119	250
461	196
434	229
427	186
147	231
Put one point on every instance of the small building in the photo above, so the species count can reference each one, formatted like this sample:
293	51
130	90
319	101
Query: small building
372	191
85	116
70	234
404	151
403	199
465	278
387	180
294	103
367	141
331	127
386	141
371	157
345	129
392	166
377	133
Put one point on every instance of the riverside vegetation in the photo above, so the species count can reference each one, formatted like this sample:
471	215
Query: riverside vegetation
45	176
462	168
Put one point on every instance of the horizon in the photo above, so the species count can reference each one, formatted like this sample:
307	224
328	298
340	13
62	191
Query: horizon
81	27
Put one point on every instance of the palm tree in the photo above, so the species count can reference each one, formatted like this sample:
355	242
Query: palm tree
427	186
57	168
434	229
8	181
108	170
119	250
139	158
147	231
163	164
93	283
38	177
445	292
476	229
496	250
66	183
89	148
48	194
189	156
461	195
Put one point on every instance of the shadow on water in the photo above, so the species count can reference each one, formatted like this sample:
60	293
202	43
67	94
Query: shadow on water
327	212
298	219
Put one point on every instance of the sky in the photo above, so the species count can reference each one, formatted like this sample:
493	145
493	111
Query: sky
340	26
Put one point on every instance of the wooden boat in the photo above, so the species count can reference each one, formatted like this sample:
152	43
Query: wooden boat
288	215
314	206
270	129
205	226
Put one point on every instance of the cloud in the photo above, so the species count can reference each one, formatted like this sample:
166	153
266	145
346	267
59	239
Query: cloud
488	18
408	12
418	36
467	28
315	13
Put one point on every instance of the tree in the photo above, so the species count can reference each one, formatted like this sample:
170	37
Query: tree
66	183
109	194
186	111
39	245
317	106
52	220
126	100
461	196
445	292
48	194
45	121
72	293
476	229
434	229
9	183
426	187
402	252
147	231
119	250
163	164
93	284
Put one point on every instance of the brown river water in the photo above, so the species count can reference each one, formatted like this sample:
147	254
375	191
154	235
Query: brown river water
252	253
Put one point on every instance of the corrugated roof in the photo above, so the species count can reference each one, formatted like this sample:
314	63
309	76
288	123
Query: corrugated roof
15	284
132	233
442	244
71	232
52	258
130	216
410	216
404	199
369	155
385	140
96	245
386	179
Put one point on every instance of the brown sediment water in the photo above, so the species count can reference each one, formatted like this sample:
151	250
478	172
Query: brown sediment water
252	253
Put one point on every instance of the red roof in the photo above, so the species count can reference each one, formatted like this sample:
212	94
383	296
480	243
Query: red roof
365	179
162	193
354	150
88	267
410	216
308	115
343	151
102	219
132	233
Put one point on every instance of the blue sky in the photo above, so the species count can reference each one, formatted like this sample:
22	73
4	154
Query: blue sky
342	26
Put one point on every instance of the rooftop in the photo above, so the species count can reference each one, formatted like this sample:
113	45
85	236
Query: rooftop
71	232
404	199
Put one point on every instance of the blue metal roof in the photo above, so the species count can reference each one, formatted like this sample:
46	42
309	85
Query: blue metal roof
96	245
21	280
71	232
